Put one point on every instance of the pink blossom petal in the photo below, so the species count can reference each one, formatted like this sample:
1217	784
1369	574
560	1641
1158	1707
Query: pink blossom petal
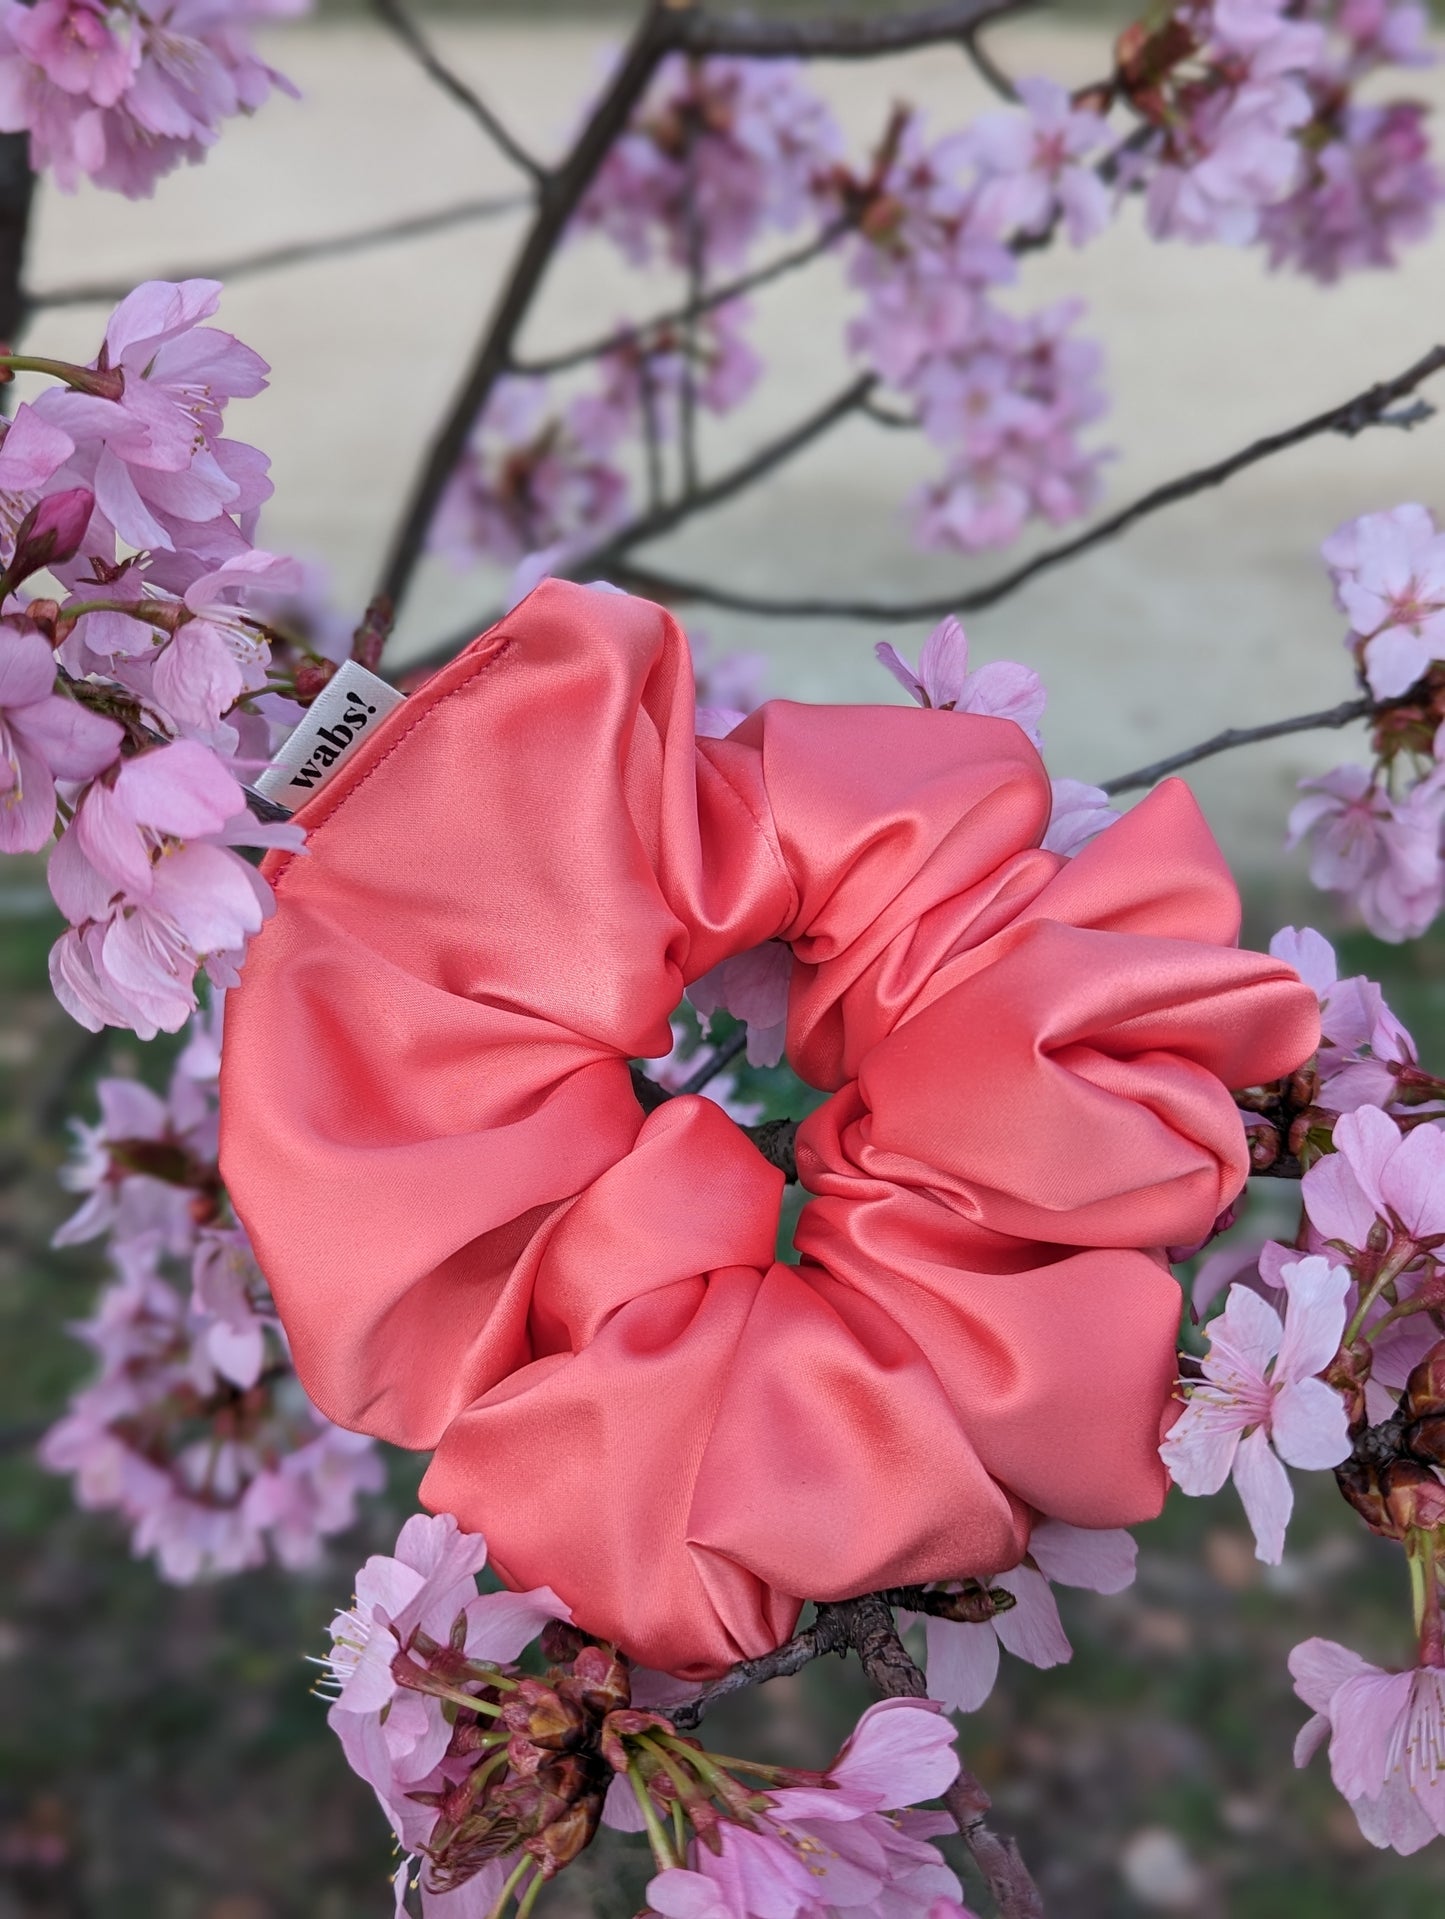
943	663
1367	1712
962	1663
500	1625
889	657
1310	1427
899	1752
27	669
1264	1490
1031	1629
182	789
1199	1448
33	451
74	743
1394	661
1314	1321
1102	1562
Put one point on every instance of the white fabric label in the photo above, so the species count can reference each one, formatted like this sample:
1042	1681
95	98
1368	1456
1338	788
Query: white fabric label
349	708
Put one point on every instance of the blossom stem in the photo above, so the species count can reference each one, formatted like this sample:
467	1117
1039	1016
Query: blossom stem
1422	1558
663	1850
1390	1271
83	378
529	1897
514	1879
437	1689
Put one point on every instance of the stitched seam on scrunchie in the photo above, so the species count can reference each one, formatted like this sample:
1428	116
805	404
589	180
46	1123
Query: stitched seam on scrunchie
419	720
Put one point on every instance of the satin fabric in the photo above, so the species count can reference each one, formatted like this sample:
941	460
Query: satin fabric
479	1244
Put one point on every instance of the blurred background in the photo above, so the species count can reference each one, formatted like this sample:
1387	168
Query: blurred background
163	1757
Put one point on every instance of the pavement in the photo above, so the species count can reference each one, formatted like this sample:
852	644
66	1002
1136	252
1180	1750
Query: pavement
1215	613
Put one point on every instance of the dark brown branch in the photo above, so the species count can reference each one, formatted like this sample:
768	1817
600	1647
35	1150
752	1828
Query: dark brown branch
849	37
1332	716
651	526
295	253
827	1634
987	68
715	1062
395	16
1367	409
559	197
17	188
892	1672
720	295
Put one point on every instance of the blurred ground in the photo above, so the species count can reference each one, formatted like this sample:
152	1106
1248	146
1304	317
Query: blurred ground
160	1754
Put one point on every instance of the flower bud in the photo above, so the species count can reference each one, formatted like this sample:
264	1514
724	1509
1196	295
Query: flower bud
49	535
1425	1440
599	1682
311	677
543	1716
1414	1496
560	1642
559	1843
1425	1388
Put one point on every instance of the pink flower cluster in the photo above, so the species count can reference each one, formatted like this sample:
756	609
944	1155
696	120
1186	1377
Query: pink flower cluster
1328	1354
1254	131
1375	832
719	152
494	1781
118	481
121	91
1004	396
194	1428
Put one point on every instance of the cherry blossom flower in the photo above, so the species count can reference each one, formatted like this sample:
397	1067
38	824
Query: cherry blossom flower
137	1131
1000	689
1370	190
1031	163
1383	855
1388	571
1386	1733
1260	1401
962	1658
741	141
43	736
1229	149
146	876
1378	1176
1363	1046
832	1847
124	94
163	1438
396	1737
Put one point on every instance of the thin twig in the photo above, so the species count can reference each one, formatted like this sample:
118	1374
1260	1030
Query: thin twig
294	253
395	16
987	68
1367	409
650	526
1347	711
715	1062
630	331
827	1634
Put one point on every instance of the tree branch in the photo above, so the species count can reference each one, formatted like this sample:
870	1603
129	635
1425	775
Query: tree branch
395	16
651	526
844	38
293	253
719	295
558	199
664	28
1367	409
1363	708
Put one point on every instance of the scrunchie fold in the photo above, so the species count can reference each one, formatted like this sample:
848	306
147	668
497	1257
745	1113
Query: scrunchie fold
479	1244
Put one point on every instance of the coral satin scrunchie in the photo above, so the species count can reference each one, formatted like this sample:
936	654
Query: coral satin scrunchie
479	1244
